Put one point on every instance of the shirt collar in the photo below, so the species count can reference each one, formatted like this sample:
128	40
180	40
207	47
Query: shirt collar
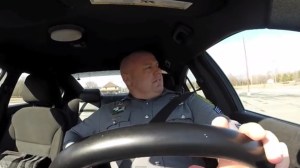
164	92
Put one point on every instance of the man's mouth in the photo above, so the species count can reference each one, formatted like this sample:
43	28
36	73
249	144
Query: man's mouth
157	80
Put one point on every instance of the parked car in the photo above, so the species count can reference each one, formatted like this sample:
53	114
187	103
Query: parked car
57	55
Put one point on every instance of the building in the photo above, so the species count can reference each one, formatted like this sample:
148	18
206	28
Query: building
110	88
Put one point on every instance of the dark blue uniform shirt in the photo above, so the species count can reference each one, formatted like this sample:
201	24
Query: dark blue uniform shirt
131	111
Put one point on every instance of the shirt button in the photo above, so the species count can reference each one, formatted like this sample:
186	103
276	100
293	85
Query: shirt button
157	163
183	116
147	103
146	116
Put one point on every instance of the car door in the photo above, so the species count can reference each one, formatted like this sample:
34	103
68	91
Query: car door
254	76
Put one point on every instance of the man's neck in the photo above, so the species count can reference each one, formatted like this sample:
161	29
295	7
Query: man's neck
145	96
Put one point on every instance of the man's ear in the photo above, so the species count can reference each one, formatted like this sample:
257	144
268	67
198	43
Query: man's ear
126	79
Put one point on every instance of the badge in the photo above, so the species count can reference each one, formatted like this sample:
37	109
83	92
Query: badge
119	107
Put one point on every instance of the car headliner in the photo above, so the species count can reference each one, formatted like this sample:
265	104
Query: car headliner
112	31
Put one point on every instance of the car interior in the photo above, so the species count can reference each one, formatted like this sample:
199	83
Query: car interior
52	41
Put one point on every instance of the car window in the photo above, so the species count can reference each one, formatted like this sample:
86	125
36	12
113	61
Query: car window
108	82
16	97
263	67
192	84
3	75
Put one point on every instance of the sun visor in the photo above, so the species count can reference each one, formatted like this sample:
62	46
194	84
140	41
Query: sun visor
183	5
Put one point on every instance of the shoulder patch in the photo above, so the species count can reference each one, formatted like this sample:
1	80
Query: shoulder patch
218	110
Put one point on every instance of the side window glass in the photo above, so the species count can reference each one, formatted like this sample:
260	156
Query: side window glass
3	75
263	67
16	97
192	84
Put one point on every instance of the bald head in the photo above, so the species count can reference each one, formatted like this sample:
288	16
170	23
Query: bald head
141	73
128	62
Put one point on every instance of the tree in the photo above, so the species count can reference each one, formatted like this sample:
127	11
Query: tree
233	80
91	85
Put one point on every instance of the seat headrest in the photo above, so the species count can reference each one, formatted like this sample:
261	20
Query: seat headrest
90	95
169	82
40	91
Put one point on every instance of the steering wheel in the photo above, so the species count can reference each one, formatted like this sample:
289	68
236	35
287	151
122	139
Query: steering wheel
162	139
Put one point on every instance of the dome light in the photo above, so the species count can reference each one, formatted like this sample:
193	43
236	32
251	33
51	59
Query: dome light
66	33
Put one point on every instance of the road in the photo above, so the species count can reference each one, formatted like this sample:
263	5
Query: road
279	101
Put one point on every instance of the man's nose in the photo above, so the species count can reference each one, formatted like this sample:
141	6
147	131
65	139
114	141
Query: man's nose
158	71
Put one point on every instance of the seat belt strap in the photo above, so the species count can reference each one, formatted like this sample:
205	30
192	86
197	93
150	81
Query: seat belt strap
164	113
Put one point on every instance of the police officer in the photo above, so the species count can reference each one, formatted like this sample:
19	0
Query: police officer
141	73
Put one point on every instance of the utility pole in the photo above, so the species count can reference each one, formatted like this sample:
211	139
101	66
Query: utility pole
247	69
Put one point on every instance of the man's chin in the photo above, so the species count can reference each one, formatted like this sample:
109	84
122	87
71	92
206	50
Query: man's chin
159	90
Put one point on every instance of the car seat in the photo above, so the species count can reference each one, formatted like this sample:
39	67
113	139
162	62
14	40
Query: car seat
39	129
92	96
76	106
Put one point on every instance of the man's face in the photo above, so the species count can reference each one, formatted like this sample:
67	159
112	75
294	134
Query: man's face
145	79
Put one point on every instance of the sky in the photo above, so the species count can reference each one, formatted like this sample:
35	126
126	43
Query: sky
266	51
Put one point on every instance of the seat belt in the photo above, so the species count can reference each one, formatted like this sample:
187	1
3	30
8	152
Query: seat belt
164	113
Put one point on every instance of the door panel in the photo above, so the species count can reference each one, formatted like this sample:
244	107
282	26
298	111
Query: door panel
288	133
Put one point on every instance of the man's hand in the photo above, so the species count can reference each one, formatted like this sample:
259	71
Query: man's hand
276	152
